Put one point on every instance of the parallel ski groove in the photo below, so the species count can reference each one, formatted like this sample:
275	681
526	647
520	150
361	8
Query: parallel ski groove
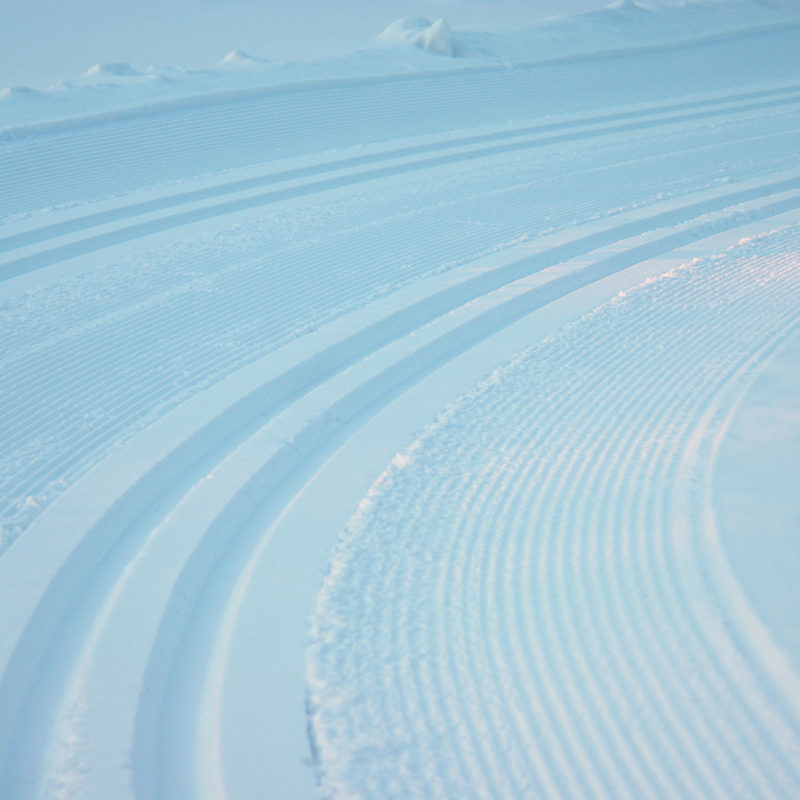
138	392
722	106
177	660
253	129
90	220
553	633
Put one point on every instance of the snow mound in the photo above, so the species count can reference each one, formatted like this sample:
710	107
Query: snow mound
239	58
625	18
624	10
624	5
434	37
18	91
116	69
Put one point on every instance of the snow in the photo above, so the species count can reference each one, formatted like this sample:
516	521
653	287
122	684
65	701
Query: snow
519	514
754	481
402	404
45	40
419	32
118	69
308	42
240	58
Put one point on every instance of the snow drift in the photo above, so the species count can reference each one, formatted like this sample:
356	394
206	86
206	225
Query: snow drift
434	37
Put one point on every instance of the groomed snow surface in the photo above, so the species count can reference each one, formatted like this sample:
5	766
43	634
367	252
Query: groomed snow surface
418	423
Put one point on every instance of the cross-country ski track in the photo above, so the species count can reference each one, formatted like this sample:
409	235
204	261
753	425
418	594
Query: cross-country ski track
360	436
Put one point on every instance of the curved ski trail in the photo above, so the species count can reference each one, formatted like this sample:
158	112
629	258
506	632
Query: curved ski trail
210	356
564	538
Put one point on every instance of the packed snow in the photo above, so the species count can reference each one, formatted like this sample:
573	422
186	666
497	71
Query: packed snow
400	399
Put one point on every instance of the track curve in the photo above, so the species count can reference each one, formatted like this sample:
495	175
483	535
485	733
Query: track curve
528	569
191	366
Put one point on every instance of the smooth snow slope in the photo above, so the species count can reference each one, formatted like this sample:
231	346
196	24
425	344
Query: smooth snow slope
755	497
455	360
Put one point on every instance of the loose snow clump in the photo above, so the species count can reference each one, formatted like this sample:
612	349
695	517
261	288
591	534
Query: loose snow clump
435	37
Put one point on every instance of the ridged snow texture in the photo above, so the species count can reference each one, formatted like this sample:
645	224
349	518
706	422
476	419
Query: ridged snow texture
210	309
525	605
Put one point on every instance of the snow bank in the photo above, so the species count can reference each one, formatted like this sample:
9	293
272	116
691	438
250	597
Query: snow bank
411	43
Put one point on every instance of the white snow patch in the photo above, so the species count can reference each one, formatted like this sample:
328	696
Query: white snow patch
401	460
625	6
18	91
239	58
434	37
116	69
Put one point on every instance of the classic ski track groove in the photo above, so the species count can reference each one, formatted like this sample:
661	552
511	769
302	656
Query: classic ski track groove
423	711
222	117
95	219
746	762
111	582
177	681
140	392
193	495
588	210
641	121
19	376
